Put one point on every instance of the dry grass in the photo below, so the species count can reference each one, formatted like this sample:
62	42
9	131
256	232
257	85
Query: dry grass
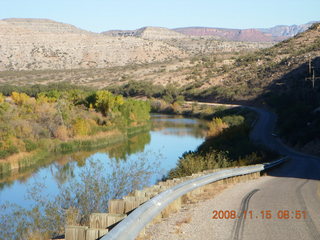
15	158
183	221
98	135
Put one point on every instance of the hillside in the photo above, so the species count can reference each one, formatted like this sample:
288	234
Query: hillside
275	77
254	73
193	45
43	44
44	25
43	51
30	44
105	60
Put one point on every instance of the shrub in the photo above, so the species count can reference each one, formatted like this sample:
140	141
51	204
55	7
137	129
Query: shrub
233	120
62	133
29	145
20	98
193	162
81	127
8	151
216	126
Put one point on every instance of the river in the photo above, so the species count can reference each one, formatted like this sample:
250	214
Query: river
161	147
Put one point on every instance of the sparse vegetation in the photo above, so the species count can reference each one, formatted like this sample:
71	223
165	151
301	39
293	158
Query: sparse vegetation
227	144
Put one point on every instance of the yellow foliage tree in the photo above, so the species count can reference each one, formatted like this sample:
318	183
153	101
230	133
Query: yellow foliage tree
42	97
106	102
81	127
1	98
119	100
20	98
216	126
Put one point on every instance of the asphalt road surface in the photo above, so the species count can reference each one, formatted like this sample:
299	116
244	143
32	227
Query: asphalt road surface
283	205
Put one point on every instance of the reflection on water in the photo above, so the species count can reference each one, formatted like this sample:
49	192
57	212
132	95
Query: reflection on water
168	139
131	146
178	125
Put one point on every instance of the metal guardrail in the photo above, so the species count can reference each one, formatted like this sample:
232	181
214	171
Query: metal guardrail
131	226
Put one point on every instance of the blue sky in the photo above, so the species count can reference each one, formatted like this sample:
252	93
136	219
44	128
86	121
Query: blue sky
101	15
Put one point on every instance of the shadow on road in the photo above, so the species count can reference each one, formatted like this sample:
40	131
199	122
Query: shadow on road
298	167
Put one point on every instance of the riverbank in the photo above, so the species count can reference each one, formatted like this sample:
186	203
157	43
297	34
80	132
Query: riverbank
20	162
142	159
228	142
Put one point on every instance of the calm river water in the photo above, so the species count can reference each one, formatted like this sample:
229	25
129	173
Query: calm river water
168	139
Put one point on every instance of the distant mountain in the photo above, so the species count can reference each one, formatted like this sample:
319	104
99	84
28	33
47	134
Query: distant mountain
286	31
247	35
274	34
151	33
37	44
44	25
30	44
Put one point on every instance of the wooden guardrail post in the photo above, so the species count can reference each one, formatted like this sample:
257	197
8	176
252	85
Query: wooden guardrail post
104	220
92	234
116	206
75	232
140	193
150	192
133	202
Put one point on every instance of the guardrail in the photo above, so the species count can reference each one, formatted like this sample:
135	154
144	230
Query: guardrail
130	227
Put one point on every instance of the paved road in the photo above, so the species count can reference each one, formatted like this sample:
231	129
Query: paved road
293	187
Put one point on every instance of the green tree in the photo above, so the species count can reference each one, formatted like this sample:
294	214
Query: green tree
105	101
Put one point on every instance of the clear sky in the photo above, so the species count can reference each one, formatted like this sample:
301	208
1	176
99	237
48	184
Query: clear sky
101	15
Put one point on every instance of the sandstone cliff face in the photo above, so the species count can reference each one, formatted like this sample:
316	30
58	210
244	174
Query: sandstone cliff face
274	34
27	44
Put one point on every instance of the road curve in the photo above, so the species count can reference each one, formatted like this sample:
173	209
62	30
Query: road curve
291	188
